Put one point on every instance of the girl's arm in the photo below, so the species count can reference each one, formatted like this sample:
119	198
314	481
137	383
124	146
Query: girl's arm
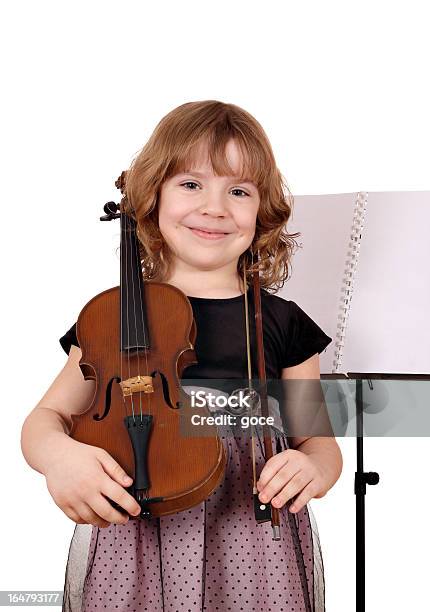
306	395
80	477
46	428
325	449
313	463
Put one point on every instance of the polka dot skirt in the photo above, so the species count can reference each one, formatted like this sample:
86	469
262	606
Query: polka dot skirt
213	557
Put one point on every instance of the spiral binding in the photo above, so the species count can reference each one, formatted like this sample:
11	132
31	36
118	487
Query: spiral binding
351	264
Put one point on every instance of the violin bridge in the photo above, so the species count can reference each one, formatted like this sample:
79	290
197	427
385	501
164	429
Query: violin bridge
137	384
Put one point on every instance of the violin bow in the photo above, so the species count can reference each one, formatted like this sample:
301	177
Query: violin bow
263	512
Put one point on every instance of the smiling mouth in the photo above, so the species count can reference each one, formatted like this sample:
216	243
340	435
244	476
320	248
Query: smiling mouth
208	234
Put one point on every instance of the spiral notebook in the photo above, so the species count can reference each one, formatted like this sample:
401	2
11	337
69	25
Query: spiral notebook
361	273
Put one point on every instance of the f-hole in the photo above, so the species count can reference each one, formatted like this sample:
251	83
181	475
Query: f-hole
166	393
108	398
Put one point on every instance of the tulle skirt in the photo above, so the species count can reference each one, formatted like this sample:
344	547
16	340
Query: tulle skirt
213	557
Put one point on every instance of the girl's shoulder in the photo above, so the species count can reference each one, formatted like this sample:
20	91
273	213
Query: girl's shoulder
287	308
302	336
278	304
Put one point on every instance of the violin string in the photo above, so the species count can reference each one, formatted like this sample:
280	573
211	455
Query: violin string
121	256
133	246
146	343
125	237
126	240
134	237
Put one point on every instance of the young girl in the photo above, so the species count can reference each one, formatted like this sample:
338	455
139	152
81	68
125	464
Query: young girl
206	192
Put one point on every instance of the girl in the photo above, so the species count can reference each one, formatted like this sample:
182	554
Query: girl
206	192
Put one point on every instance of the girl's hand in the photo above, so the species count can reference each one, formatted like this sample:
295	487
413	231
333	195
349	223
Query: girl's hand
288	474
79	478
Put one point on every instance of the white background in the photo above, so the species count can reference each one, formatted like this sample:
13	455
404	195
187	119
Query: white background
341	89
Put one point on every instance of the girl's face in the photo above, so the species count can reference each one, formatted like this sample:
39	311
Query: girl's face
208	221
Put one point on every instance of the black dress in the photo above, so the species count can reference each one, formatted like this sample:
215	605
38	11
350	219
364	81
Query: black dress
213	556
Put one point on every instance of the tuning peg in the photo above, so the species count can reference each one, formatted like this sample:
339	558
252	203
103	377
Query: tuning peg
110	209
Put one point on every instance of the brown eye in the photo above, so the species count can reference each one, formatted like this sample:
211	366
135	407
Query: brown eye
187	183
237	189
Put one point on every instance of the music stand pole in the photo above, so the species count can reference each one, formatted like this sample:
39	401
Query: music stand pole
362	479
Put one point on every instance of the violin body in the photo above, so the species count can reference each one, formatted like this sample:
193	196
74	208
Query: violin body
136	409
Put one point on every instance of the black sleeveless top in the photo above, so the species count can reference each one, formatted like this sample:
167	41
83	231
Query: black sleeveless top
290	337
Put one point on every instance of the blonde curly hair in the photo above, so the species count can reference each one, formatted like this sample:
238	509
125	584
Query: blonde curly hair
172	148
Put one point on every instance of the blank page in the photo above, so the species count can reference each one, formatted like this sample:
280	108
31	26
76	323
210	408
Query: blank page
388	326
318	266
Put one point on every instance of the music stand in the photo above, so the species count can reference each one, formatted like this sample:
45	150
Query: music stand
362	478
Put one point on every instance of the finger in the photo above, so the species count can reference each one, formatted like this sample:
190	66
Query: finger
305	496
90	517
106	511
273	465
74	516
278	482
119	495
294	488
113	469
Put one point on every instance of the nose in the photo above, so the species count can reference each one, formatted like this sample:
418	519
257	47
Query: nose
214	204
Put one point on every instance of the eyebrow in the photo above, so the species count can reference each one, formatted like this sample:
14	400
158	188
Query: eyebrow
241	179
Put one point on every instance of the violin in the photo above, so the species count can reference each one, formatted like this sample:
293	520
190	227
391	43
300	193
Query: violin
136	340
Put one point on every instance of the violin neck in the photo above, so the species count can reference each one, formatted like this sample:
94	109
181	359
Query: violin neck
134	327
